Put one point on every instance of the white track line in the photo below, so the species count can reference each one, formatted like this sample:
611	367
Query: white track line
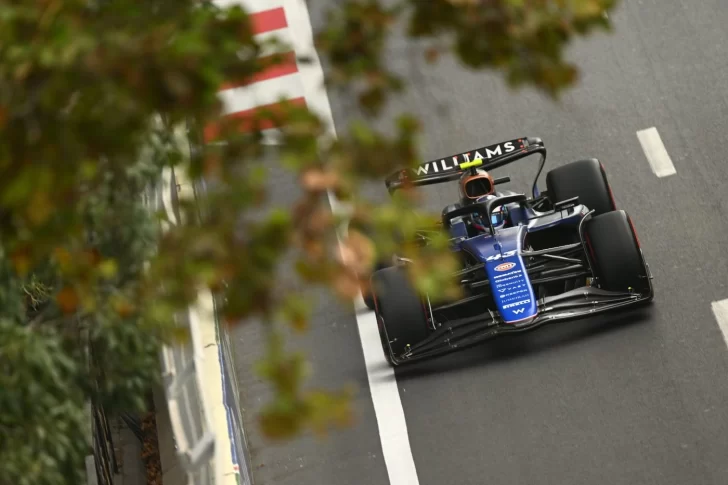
382	382
282	35
271	137
656	153
251	6
257	6
262	93
720	310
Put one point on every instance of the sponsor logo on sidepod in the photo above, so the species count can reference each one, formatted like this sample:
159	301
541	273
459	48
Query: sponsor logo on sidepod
504	266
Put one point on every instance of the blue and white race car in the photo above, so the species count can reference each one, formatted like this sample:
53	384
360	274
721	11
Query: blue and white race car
562	254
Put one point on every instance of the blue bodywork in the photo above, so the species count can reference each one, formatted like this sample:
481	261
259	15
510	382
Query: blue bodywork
501	254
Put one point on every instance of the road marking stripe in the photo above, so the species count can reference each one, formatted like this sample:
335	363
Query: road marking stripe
282	67
720	310
388	409
251	6
312	75
244	119
262	7
268	20
283	36
270	137
391	420
656	153
241	98
262	93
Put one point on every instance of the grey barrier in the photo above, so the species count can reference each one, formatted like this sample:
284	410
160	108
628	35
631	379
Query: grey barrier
231	393
196	440
181	362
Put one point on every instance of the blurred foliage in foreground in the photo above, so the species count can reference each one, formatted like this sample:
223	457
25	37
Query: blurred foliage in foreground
81	85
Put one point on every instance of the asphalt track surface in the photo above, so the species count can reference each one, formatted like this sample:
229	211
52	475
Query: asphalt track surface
631	399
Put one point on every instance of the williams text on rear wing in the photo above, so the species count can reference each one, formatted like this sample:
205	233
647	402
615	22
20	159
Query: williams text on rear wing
450	168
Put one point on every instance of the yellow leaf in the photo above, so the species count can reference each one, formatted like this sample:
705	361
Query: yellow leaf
63	258
39	208
108	269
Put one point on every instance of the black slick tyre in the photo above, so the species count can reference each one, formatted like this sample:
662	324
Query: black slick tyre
366	292
585	179
400	312
615	253
368	298
384	261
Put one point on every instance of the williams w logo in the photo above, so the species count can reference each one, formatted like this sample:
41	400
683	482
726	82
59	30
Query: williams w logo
520	310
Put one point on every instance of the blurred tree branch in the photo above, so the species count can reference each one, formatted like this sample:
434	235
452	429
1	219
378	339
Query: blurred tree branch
83	86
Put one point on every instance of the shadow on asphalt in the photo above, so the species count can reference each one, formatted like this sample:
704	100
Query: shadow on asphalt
507	347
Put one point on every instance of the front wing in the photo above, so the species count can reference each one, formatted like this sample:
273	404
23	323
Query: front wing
458	334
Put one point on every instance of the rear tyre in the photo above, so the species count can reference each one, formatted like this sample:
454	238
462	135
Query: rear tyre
615	253
399	310
585	179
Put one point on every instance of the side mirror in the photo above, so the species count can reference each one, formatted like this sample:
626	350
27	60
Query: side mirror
566	204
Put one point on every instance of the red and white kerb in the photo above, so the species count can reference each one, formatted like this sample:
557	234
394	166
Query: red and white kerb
242	99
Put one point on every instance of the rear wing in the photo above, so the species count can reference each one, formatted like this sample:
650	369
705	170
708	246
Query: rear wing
450	168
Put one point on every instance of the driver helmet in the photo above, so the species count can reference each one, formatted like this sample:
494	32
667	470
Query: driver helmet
477	186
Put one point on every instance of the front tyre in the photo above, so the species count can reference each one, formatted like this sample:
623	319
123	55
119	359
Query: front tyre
383	261
614	250
585	179
366	292
399	309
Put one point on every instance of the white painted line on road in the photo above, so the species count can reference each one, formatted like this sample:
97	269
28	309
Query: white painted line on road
656	153
271	137
382	381
387	403
251	6
720	310
259	6
312	74
282	35
262	93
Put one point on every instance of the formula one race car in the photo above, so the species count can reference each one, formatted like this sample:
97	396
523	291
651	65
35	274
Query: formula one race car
562	254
